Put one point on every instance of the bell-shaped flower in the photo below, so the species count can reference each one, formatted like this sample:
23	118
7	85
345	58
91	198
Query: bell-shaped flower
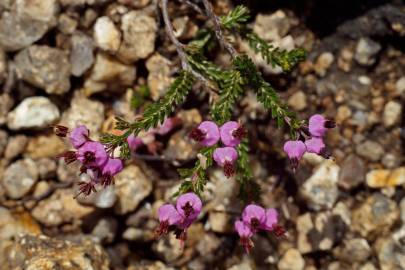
232	133
110	168
92	154
79	136
226	157
254	216
245	233
318	125
168	216
294	150
134	142
207	133
189	206
315	145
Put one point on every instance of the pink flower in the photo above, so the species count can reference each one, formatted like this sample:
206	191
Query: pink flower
254	216
112	167
318	125
295	150
168	216
315	145
87	187
92	154
189	207
207	133
79	136
168	125
271	219
134	142
226	157
232	133
245	233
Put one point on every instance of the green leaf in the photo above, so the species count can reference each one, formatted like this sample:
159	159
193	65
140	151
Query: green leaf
236	18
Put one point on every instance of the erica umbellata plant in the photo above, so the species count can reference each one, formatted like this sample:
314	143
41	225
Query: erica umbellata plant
224	140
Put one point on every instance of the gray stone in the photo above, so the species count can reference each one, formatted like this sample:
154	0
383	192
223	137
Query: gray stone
370	150
291	260
81	54
400	85
33	113
323	63
66	24
180	147
159	78
392	113
366	51
106	35
26	23
273	26
298	101
391	250
46	167
105	230
19	178
353	250
131	186
352	172
139	34
45	67
321	190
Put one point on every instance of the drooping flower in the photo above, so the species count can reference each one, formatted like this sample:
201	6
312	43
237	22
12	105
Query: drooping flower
318	125
232	133
226	157
315	145
295	150
189	206
112	167
271	219
92	154
254	216
168	216
168	125
207	133
134	142
245	233
79	136
60	130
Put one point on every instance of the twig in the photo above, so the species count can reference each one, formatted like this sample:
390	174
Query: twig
218	32
193	6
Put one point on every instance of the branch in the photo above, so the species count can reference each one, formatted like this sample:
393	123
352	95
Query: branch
193	6
218	32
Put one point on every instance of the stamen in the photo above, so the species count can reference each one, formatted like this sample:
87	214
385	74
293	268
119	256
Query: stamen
162	229
247	244
329	124
86	188
188	209
228	169
197	134
278	230
68	156
60	130
239	133
107	180
89	157
254	223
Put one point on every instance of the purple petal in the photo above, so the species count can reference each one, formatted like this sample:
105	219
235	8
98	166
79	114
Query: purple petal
295	149
225	154
226	131
112	166
168	212
134	142
316	125
315	145
211	131
79	136
167	125
271	218
189	206
97	149
242	229
254	215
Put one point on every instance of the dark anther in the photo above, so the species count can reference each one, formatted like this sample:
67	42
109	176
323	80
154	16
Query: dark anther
239	133
188	209
254	222
68	156
228	169
86	188
89	157
197	134
60	131
329	124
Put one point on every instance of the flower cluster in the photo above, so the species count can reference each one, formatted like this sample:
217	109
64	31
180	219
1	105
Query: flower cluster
96	161
230	134
312	142
254	219
178	218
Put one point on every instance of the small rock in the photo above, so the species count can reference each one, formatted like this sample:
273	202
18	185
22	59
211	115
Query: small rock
180	147
370	150
169	248
391	160
323	63
86	112
41	188
131	186
390	250
366	51
60	208
392	113
352	173
33	113
105	197
3	141
81	54
26	23
291	260
42	252
184	28
106	34
159	78
298	101
44	146
45	67
220	222
386	178
108	73
6	103
400	85
272	27
3	65
105	230
375	215
139	34
66	24
16	145
321	189
13	224
344	112
19	178
46	167
353	250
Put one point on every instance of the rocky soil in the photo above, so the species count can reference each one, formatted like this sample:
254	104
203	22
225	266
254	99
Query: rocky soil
83	61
